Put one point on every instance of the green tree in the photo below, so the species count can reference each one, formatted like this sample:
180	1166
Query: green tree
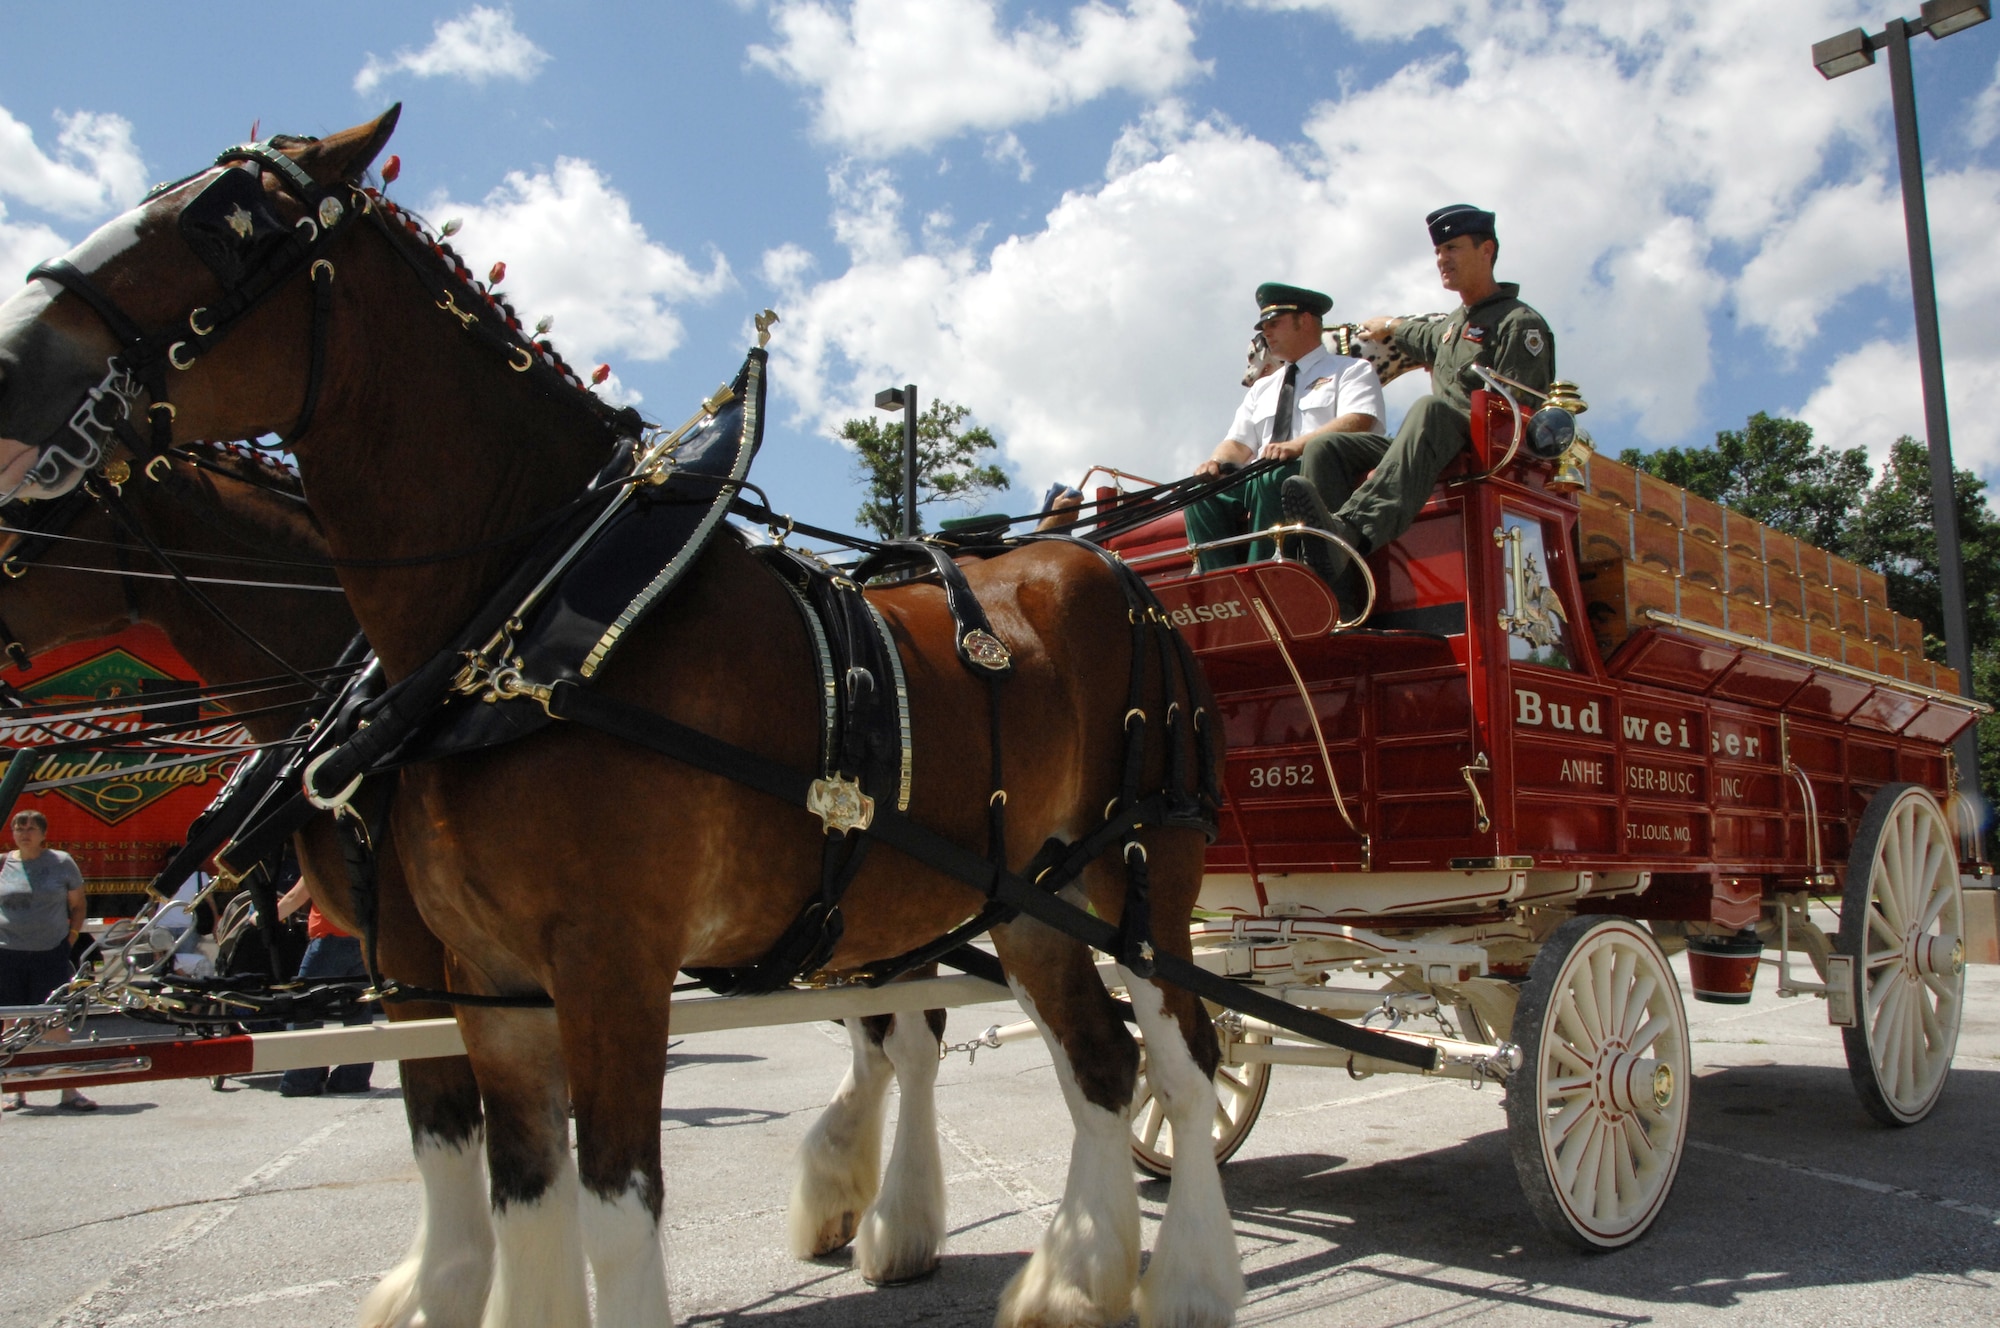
948	464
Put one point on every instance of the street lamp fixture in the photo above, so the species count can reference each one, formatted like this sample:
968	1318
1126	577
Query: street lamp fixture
1855	49
1843	55
905	399
1944	17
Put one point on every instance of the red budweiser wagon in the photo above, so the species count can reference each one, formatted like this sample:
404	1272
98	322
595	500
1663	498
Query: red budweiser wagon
1588	721
119	813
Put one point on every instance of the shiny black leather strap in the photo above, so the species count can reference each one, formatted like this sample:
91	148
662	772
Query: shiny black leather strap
65	274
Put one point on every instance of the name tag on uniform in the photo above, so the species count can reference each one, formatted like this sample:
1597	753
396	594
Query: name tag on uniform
1476	335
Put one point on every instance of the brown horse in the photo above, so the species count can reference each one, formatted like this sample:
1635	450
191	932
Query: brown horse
206	517
578	865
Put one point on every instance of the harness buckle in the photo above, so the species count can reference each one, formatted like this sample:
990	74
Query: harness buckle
339	799
840	804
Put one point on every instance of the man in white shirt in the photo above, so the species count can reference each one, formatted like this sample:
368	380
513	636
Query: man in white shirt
1315	394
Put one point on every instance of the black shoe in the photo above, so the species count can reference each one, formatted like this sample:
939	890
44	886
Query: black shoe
1300	502
294	1088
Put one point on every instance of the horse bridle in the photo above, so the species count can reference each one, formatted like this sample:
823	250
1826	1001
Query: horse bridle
139	366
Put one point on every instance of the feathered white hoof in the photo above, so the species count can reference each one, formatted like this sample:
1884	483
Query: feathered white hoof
828	1199
1075	1284
1179	1295
442	1282
902	1235
839	1164
393	1302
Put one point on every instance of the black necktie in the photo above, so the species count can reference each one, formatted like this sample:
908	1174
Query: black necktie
1288	395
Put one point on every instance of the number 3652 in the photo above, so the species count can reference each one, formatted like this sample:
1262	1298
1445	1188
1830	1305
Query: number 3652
1280	776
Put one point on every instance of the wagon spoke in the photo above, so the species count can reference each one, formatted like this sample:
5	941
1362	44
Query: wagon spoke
1879	925
1940	988
1604	1009
1578	1061
1579	1160
1618	1006
1885	987
1886	894
1564	1121
1156	1117
1579	1032
1625	1172
1940	897
1650	1031
1636	1006
1927	1017
1878	958
1605	1199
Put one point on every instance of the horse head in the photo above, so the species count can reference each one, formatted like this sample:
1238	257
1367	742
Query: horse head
179	315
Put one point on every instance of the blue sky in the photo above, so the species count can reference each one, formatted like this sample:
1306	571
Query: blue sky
1055	213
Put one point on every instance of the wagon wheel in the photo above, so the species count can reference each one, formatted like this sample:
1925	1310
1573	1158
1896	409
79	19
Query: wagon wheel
1239	1096
1902	921
1597	1113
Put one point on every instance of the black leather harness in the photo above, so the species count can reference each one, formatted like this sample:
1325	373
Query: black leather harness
518	656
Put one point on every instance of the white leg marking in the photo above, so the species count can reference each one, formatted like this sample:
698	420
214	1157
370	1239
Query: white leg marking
840	1161
442	1282
1087	1264
538	1268
903	1234
1195	1277
623	1238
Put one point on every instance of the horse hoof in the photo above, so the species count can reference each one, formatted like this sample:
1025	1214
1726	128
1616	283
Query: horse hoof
895	1278
836	1235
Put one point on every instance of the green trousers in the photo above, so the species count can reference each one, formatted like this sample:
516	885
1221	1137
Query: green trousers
1251	505
1382	505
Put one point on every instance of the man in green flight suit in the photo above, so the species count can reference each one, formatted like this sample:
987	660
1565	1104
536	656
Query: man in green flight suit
1334	490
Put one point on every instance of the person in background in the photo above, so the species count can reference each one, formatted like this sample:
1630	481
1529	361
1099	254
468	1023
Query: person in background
330	953
1309	394
41	915
1365	487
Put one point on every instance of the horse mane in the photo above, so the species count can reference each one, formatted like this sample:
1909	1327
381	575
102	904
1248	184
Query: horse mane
425	243
251	464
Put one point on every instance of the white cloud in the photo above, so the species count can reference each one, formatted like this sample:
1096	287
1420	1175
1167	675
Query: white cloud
1872	395
95	169
478	45
889	75
1845	236
1637	156
22	245
1374	20
573	250
1005	150
1982	123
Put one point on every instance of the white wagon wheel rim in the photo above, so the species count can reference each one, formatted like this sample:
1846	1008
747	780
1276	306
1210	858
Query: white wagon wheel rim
1611	1079
1910	957
1239	1097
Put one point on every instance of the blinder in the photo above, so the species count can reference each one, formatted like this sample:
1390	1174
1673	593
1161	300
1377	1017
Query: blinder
232	227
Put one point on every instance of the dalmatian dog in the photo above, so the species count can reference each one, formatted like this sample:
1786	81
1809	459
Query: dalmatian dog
1260	360
1389	362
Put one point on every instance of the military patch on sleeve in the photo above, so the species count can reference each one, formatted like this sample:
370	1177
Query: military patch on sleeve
1534	341
1475	335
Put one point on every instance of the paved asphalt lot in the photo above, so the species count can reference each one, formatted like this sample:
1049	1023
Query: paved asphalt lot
1388	1201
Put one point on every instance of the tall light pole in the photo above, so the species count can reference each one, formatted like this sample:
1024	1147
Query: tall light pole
1844	54
890	398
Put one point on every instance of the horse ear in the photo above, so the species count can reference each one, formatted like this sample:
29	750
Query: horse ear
345	155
